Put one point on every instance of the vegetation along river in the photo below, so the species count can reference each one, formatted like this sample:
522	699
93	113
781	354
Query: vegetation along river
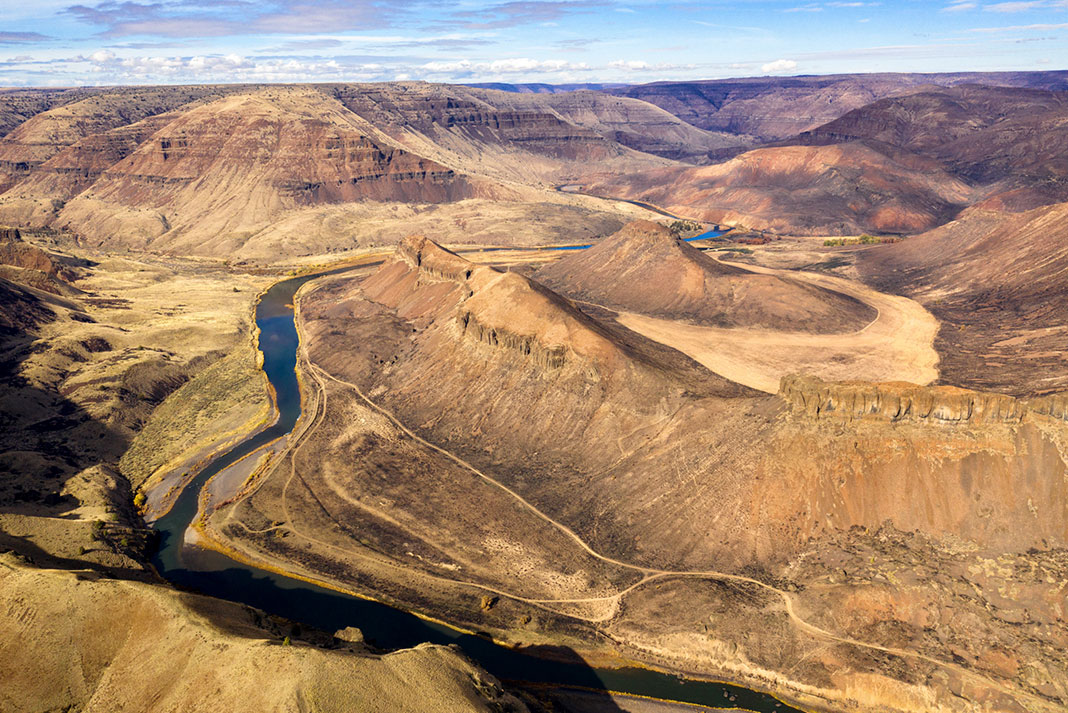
213	573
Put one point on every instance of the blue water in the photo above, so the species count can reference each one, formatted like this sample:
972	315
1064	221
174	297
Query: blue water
216	574
702	236
706	236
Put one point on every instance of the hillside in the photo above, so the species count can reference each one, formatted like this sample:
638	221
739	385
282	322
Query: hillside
1011	140
46	133
232	166
844	189
773	108
996	281
644	268
103	644
895	155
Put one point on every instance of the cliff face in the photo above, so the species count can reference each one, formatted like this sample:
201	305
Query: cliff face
903	402
939	460
434	109
222	170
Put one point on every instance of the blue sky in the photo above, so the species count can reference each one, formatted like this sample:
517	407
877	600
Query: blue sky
60	42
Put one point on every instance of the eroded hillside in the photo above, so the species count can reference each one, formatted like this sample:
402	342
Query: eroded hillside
475	434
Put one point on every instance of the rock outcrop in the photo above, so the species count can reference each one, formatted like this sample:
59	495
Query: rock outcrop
18	253
898	401
432	260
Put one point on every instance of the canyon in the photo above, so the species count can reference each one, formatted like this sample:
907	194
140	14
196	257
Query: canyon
605	374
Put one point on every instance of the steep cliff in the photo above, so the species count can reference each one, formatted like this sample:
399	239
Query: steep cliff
212	175
901	402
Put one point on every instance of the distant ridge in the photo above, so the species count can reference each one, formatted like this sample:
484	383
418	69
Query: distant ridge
538	88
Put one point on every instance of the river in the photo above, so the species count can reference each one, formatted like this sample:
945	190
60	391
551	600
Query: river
215	574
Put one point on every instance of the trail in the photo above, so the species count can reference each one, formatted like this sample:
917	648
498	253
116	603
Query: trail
648	574
652	573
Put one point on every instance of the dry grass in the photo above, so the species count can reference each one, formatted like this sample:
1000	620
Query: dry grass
228	397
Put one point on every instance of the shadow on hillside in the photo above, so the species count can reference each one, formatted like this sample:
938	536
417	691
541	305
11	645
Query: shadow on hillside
305	607
547	678
46	440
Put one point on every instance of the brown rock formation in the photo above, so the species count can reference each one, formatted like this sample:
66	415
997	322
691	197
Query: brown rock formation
17	253
832	190
902	402
644	268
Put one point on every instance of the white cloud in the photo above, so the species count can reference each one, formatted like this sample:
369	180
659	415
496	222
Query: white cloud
960	7
1014	6
1014	28
628	64
515	65
102	56
779	65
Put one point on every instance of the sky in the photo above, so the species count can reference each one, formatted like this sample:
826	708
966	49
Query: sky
66	43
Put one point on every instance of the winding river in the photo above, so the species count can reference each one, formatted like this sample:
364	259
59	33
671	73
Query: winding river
213	573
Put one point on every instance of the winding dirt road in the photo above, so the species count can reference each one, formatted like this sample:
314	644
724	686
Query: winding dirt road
896	345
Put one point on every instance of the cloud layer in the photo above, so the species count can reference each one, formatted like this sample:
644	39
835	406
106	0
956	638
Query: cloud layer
174	41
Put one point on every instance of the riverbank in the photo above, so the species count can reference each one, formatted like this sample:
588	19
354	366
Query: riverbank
183	569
